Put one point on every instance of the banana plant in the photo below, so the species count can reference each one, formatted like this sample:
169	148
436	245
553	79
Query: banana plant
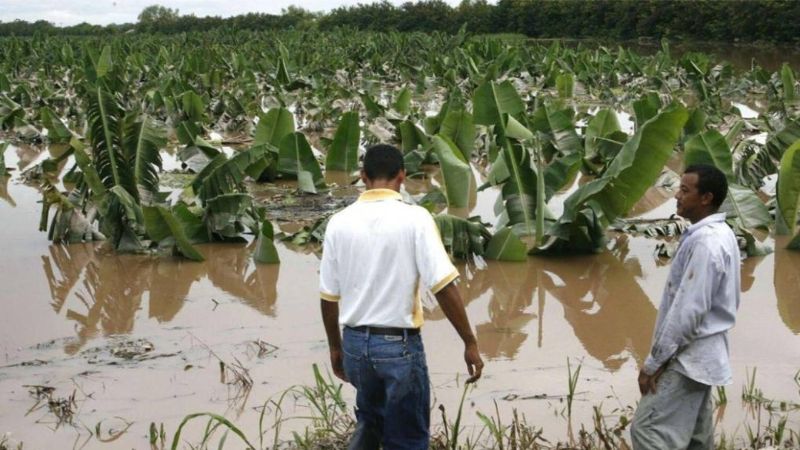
789	195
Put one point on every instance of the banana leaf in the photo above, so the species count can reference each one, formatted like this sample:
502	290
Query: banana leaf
646	108
229	215
490	101
459	127
506	246
710	148
343	152
604	123
788	81
223	176
296	159
565	85
462	238
744	207
162	227
57	132
194	107
104	63
696	123
402	102
412	137
143	141
557	125
640	161
519	190
789	190
456	172
266	253
273	127
123	222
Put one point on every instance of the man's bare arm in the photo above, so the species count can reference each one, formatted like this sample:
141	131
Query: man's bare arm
330	318
453	307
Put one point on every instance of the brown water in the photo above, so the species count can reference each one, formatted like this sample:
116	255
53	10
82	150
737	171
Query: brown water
64	307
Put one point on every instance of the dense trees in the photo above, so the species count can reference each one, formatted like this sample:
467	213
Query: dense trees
752	20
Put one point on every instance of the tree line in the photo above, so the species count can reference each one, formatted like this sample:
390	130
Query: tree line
711	20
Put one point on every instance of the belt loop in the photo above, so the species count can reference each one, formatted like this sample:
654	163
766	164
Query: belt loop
367	333
405	334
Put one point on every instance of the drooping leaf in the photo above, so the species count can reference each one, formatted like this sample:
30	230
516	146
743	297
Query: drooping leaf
193	106
601	125
788	81
3	168
143	140
462	238
456	172
57	132
557	124
789	190
273	126
412	137
743	205
224	176
402	102
646	108
343	152
490	101
104	63
266	253
506	246
519	190
297	159
161	225
641	160
565	85
710	148
458	126
696	123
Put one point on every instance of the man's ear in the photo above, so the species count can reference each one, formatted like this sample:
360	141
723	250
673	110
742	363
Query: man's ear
707	199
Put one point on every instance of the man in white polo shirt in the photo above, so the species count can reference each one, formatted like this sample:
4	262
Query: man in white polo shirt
375	254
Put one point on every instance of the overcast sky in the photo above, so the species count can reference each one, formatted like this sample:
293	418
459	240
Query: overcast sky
103	12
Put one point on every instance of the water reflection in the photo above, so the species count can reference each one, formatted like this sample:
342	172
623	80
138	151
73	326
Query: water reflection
787	284
604	304
103	291
4	191
609	312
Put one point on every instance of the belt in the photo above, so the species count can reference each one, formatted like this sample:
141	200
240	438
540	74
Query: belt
386	331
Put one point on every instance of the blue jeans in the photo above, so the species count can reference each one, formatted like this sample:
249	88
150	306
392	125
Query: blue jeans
392	390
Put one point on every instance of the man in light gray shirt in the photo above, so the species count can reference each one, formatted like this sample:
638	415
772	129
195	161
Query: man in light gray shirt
690	343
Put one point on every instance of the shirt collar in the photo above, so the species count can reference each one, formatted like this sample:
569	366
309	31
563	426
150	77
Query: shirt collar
374	195
713	218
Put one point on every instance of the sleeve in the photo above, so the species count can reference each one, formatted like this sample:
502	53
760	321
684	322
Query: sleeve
328	275
433	263
689	307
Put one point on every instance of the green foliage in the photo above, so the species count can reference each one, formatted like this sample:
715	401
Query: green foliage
456	172
343	152
789	190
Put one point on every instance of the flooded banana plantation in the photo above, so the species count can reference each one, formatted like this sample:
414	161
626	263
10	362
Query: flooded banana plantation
165	200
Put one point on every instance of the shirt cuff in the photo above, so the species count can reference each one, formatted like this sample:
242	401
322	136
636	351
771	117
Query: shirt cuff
650	365
329	297
444	281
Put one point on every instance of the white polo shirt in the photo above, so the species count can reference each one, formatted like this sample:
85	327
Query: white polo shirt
375	253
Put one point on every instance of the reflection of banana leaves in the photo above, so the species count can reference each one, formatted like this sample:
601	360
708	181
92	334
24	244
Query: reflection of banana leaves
266	252
608	310
787	280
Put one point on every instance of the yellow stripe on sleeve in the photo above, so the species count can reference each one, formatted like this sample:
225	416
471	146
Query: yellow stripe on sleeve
329	297
444	282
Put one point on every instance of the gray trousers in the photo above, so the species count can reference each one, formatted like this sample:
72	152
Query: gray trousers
676	416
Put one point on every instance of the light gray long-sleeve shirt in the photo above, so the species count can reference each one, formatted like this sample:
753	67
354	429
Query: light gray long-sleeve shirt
699	304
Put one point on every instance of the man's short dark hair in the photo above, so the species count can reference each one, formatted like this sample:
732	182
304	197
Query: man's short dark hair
710	179
383	162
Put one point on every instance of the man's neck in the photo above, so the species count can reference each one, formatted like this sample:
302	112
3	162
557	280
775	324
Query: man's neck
383	184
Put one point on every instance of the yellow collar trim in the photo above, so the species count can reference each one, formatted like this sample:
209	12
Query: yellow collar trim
374	195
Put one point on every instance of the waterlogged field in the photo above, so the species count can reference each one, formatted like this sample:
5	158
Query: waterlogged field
550	171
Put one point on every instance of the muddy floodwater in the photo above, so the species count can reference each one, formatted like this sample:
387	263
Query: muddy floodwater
138	339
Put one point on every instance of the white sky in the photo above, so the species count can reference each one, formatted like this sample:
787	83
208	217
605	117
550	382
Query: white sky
103	12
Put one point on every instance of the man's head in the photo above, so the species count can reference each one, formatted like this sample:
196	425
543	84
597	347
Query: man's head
703	189
383	166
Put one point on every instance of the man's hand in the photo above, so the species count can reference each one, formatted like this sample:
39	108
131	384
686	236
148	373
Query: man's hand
474	362
337	364
647	383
